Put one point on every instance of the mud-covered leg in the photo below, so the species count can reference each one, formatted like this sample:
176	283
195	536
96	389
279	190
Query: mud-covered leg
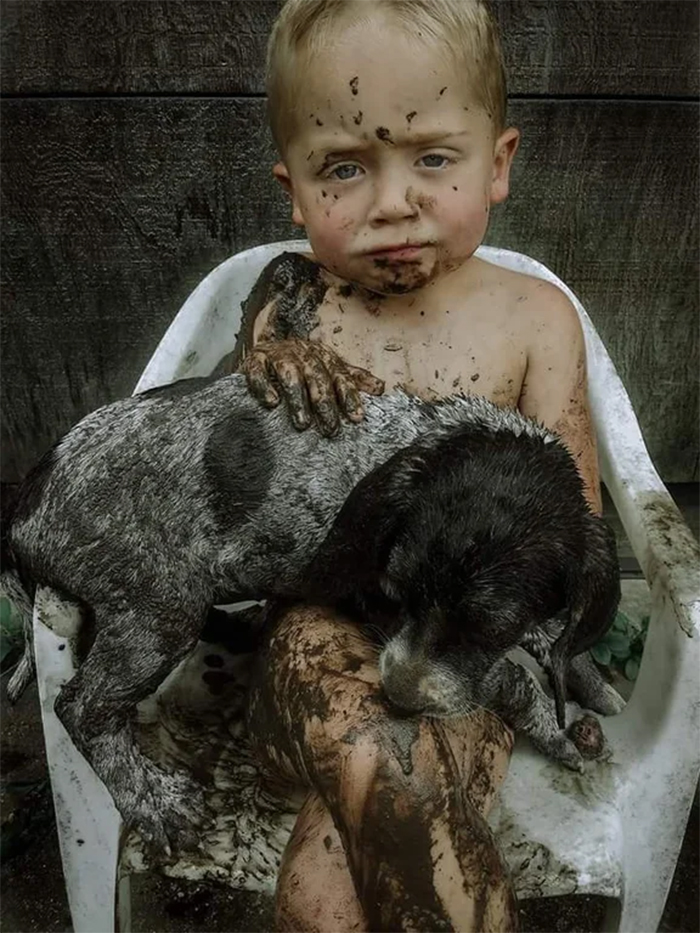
516	695
129	659
418	849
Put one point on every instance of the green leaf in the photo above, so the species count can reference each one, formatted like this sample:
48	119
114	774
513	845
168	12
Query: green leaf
631	669
5	612
601	653
618	644
10	621
11	634
621	623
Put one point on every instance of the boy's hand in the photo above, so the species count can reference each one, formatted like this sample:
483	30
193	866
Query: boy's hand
312	379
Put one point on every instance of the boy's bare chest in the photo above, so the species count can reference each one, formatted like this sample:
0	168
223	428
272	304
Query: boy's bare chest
429	356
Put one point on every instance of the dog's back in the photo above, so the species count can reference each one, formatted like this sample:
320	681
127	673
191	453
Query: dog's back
193	479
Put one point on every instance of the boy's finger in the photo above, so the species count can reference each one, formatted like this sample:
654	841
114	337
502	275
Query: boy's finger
349	397
321	397
259	379
365	381
292	386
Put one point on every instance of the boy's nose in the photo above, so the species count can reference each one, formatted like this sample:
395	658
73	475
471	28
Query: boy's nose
394	200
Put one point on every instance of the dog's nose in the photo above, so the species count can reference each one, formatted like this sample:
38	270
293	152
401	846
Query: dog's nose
402	696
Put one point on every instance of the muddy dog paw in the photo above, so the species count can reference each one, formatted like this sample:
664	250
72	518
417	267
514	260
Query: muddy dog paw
561	748
168	811
587	735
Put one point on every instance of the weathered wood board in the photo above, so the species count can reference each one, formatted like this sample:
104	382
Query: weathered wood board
134	157
608	47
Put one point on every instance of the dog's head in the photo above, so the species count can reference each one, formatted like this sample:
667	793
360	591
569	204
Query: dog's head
470	564
466	591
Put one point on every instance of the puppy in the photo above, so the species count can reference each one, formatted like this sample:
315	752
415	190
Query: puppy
469	543
156	507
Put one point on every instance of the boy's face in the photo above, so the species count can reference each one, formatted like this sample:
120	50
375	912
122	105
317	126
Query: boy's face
393	167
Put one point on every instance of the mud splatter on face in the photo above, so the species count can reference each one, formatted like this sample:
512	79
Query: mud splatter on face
310	155
353	84
418	198
384	135
327	162
442	91
411	115
357	119
319	122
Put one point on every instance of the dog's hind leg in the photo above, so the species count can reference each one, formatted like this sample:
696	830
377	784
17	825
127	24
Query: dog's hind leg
585	682
590	689
131	655
515	694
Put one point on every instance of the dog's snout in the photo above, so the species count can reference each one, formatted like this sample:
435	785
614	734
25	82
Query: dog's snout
402	678
402	697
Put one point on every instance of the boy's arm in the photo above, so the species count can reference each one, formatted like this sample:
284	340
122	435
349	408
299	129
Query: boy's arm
554	390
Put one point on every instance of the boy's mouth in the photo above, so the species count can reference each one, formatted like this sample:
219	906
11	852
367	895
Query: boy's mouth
399	253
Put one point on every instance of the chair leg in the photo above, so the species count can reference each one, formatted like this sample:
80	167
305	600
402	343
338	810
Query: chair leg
87	821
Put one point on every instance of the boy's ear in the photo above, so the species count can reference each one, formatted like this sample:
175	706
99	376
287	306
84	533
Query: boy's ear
504	151
281	173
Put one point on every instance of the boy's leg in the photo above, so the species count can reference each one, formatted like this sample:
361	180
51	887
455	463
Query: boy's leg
406	797
315	891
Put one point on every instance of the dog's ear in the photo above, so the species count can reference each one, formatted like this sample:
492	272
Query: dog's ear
593	595
356	550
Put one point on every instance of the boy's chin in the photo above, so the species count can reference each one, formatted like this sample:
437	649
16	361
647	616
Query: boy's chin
394	278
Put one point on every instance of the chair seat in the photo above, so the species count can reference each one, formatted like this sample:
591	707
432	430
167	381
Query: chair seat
566	839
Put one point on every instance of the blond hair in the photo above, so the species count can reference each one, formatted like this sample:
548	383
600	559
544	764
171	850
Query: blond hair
463	29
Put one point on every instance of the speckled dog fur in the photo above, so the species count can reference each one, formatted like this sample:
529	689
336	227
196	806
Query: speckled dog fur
156	507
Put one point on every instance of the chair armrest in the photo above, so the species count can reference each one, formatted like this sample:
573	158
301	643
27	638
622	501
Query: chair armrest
661	540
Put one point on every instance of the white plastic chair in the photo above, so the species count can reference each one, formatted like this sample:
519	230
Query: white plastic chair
615	830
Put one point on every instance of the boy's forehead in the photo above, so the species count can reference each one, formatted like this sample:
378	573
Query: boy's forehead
358	80
372	56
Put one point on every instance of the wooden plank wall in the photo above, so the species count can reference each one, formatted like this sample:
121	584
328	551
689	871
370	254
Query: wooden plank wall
135	157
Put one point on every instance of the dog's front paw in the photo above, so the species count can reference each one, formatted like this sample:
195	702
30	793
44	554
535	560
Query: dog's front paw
169	812
561	748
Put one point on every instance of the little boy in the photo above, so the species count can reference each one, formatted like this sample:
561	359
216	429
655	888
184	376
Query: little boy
389	116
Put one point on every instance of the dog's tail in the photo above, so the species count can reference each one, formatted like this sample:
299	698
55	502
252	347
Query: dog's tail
11	588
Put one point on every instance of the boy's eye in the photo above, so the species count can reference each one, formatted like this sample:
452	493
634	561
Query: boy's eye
345	171
434	160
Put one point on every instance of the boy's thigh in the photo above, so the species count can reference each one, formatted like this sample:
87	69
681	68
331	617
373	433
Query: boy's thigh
316	690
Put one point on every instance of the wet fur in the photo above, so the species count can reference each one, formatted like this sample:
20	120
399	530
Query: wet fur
156	507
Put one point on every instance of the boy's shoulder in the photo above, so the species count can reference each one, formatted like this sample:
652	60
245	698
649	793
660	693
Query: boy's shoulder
538	307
